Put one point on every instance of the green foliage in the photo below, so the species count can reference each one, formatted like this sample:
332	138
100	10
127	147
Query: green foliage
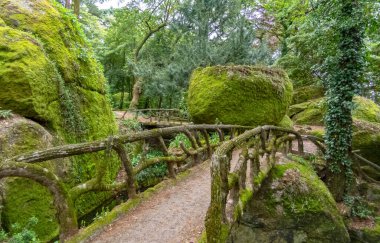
4	114
180	138
343	71
359	207
21	234
132	125
214	138
152	174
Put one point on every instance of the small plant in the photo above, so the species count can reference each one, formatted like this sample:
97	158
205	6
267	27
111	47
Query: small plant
132	125
359	207
175	143
214	138
21	235
4	114
155	171
102	214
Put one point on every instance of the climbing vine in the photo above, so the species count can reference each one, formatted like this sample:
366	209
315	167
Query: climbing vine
341	80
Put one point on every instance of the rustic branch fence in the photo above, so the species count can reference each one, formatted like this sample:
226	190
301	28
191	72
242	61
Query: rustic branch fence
257	150
23	165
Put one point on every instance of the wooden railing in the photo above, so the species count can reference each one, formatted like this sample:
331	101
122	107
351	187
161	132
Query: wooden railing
355	156
159	115
23	165
257	149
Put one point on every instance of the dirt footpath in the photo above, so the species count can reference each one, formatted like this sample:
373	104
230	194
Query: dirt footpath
157	219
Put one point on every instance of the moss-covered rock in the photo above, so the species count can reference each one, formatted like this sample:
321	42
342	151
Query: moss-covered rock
368	234
48	73
312	112
244	95
25	198
293	205
366	138
286	122
307	93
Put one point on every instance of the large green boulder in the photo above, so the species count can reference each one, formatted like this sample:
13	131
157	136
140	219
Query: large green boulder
366	138
312	112
48	73
243	95
292	205
24	198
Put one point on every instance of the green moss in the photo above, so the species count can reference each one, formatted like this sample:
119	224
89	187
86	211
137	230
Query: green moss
242	95
306	93
366	109
286	122
366	138
22	196
291	203
312	112
48	73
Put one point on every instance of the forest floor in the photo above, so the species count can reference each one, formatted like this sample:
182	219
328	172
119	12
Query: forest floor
175	215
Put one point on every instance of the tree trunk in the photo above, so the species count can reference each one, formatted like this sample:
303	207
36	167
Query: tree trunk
76	7
136	94
121	102
68	4
160	102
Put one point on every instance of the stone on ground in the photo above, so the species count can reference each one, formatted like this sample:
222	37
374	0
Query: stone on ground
293	205
242	95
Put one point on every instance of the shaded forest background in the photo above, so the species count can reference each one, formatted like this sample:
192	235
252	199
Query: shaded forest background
155	44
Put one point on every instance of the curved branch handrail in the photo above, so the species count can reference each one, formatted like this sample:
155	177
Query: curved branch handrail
62	200
261	141
23	165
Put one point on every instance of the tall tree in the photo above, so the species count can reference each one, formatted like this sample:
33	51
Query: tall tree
343	73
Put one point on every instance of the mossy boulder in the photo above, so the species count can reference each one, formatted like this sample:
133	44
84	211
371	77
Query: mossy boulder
243	95
293	205
48	73
312	112
24	198
286	122
366	138
306	93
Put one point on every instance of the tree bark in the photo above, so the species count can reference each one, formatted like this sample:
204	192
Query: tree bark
77	7
68	4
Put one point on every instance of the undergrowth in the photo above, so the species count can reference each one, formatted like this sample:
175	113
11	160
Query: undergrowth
21	235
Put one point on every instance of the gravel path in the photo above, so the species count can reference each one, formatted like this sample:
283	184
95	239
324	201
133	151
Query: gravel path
157	219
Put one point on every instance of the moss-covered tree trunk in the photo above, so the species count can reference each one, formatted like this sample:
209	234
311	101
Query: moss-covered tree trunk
343	74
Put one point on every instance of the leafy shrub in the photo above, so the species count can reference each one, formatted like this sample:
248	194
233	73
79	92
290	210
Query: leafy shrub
359	207
175	143
132	125
21	235
4	114
153	172
214	138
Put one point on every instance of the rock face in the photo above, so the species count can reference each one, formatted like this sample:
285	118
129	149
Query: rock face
312	112
293	205
49	75
307	93
24	198
366	116
243	95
